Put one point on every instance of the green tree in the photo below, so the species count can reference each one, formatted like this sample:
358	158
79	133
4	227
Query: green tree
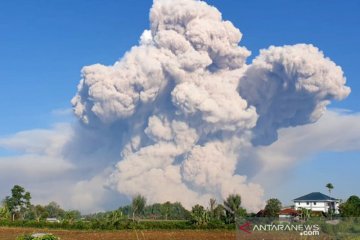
126	210
330	187
114	218
165	209
216	211
212	207
72	215
138	205
305	213
153	211
233	208
4	211
272	208
219	212
18	202
179	212
350	208
54	210
39	212
199	215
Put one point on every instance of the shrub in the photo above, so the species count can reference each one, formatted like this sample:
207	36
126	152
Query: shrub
355	229
42	237
24	237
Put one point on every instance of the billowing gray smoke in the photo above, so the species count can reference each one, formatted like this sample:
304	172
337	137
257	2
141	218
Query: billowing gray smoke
185	104
290	86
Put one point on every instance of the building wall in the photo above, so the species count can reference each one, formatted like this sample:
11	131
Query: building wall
315	206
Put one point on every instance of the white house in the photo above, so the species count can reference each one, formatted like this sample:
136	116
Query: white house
317	202
52	220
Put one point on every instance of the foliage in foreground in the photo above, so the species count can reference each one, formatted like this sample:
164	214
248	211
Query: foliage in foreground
43	237
126	224
351	208
348	228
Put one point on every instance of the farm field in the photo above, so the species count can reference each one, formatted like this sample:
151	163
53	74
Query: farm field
7	233
10	233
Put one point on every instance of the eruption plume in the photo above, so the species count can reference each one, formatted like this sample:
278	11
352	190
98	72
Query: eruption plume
183	104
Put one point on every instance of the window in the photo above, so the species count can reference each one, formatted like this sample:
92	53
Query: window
307	203
314	203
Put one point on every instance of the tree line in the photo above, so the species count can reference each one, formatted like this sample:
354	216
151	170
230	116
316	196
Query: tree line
18	208
139	211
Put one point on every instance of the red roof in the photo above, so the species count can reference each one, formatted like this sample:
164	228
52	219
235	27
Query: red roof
288	211
261	213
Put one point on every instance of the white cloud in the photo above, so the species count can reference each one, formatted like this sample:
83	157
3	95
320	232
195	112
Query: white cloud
337	130
39	141
33	166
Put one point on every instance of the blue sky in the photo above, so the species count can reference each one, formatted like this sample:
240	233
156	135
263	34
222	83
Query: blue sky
44	44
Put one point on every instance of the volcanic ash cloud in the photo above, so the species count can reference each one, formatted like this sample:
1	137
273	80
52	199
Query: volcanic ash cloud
185	105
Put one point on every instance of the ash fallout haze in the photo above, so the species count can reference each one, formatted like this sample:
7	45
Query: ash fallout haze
187	113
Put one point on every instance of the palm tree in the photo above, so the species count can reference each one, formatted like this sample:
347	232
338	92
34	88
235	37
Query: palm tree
114	218
330	187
